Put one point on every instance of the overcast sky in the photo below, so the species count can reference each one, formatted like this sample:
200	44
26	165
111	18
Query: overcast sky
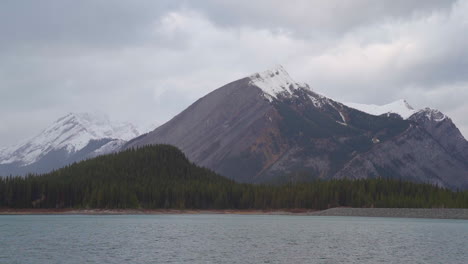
145	61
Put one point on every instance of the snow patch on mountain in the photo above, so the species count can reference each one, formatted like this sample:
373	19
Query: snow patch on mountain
274	82
71	133
400	107
319	100
433	114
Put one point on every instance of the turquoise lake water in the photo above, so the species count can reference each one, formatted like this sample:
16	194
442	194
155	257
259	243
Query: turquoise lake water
230	239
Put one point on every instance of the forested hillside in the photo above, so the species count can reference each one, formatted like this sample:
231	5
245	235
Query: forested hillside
162	177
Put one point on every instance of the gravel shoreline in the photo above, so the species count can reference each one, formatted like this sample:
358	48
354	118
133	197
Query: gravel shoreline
150	211
436	213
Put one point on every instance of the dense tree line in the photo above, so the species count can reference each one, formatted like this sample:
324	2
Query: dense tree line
162	177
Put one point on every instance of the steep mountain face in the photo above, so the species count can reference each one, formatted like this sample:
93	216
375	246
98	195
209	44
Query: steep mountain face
218	127
71	138
413	155
444	131
266	127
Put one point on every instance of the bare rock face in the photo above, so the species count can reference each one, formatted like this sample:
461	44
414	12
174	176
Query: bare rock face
413	155
268	128
444	131
218	127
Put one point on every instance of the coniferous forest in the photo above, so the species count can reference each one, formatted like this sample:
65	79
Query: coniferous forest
161	177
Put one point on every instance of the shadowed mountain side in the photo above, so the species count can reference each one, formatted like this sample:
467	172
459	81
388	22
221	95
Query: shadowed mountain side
413	155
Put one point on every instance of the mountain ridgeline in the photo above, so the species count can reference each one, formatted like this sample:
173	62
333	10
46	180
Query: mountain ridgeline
267	128
71	138
160	176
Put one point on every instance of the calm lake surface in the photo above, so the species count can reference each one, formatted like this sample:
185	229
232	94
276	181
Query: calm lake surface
230	239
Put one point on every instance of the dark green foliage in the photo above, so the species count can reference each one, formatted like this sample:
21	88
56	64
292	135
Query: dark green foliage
161	177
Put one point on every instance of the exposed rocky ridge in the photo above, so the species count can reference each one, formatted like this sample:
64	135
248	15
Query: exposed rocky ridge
252	132
444	131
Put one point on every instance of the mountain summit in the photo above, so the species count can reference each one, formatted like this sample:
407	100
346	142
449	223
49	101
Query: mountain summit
268	128
274	82
70	138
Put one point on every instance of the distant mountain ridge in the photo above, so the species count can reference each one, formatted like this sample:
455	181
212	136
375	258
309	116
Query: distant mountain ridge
71	138
267	127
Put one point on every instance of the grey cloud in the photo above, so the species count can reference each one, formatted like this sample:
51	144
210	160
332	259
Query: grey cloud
423	53
93	23
145	60
311	18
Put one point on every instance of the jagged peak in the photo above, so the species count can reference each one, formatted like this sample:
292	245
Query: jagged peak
85	118
71	132
98	124
277	70
275	81
432	114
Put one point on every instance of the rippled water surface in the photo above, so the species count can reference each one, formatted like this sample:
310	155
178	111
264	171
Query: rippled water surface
230	239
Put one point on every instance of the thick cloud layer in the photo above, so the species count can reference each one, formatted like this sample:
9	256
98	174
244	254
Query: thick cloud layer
144	61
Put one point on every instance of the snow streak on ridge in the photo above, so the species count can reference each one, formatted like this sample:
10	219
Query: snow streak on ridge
72	133
400	107
273	82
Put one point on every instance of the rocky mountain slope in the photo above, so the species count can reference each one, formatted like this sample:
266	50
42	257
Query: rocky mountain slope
444	131
74	137
266	127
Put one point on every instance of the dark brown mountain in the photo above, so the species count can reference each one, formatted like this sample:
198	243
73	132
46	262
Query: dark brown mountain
267	128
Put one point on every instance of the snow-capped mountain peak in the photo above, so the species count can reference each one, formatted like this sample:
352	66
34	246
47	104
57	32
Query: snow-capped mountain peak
433	114
71	133
274	81
400	107
99	126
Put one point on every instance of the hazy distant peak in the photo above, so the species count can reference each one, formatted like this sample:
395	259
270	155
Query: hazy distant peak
85	118
72	133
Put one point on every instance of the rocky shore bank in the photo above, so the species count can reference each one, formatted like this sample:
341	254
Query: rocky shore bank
436	213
